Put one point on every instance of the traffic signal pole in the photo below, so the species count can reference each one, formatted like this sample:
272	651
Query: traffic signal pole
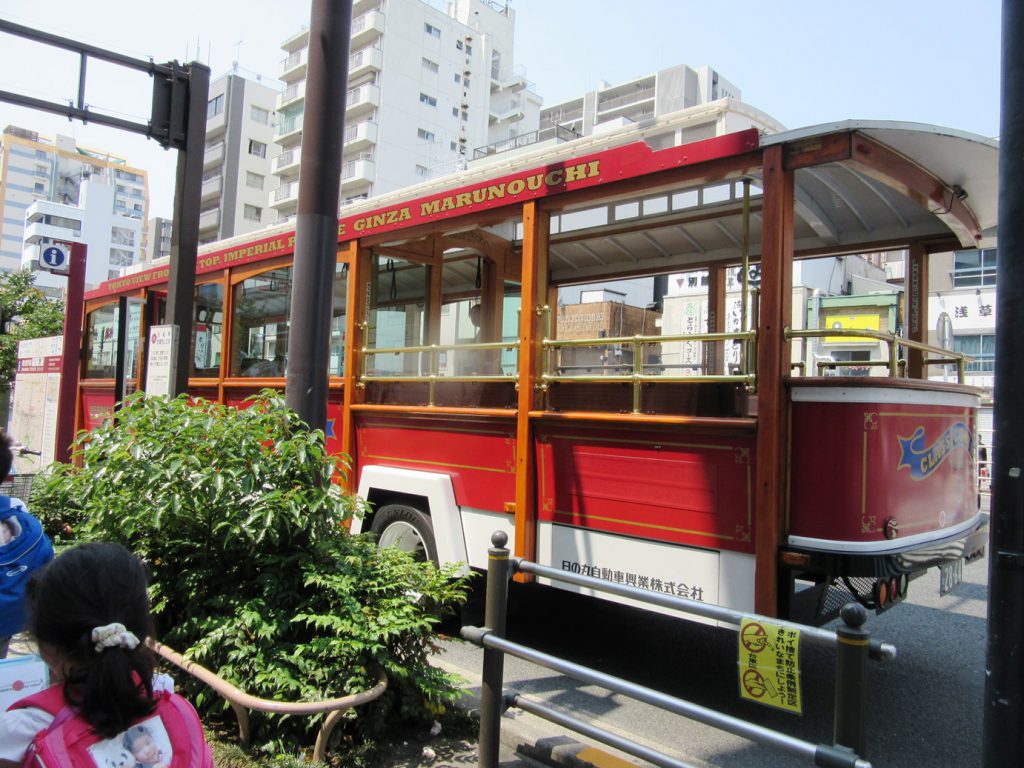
71	359
1003	734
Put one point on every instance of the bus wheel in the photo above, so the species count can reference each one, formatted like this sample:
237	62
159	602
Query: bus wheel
406	528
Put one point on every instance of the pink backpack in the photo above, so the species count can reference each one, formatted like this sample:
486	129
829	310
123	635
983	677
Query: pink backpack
171	737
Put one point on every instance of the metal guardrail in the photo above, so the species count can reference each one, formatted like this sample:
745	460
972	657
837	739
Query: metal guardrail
241	702
852	644
433	365
896	365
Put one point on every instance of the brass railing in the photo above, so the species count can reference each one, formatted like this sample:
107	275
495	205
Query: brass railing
896	365
746	373
433	373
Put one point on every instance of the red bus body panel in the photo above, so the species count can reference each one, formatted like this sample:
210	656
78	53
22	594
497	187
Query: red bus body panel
857	465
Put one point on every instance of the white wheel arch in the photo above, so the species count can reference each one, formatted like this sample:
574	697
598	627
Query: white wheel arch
437	489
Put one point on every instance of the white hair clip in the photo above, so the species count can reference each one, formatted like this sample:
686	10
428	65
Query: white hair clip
113	636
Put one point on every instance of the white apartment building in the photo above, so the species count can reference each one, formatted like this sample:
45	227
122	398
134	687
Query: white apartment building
427	83
38	168
640	99
114	239
236	163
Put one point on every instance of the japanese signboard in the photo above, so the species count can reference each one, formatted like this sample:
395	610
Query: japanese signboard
163	340
769	664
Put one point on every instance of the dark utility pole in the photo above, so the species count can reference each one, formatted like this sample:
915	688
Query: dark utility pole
316	226
1004	736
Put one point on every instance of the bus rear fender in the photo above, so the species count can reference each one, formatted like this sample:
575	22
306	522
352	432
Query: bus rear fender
429	492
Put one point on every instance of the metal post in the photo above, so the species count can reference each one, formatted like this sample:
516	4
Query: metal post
1003	735
122	351
71	360
498	572
316	225
851	671
181	281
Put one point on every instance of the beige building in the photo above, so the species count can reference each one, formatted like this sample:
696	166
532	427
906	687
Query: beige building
237	176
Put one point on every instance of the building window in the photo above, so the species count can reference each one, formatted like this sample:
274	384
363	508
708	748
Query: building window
422	171
214	106
254	180
982	347
429	65
40	154
455	111
259	115
459	45
431	30
252	213
40	187
458	78
465	115
453	146
430	101
974	268
42	170
469	48
424	135
257	148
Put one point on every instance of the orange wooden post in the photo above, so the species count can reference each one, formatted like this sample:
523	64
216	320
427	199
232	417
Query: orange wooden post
531	326
358	290
773	352
435	293
917	308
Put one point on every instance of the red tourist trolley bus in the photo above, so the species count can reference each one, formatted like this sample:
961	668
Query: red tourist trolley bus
693	453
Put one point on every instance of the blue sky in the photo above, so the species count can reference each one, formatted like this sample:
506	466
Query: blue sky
802	61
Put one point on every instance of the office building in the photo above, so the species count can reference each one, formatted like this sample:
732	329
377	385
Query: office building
427	81
236	163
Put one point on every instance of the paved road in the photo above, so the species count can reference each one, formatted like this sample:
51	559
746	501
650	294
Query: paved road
925	709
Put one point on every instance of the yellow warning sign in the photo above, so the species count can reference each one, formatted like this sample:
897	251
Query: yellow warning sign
769	664
872	322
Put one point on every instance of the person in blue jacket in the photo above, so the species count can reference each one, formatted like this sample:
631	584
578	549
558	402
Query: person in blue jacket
24	549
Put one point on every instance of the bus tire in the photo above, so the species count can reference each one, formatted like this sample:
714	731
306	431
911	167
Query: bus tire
408	529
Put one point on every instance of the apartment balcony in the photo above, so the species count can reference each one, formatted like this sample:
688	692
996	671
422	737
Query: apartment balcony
356	174
360	7
508	80
366	60
39	232
360	136
209	219
287	163
293	68
211	188
291	96
215	125
362	100
288	130
286	194
629	105
367	28
297	41
214	155
508	114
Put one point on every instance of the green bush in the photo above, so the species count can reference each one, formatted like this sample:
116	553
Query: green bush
240	516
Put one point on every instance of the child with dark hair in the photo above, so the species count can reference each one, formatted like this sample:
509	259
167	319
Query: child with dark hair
89	614
24	548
